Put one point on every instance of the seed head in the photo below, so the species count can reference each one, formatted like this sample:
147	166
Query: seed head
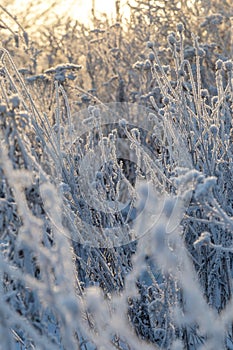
171	39
219	64
150	45
228	65
180	27
151	56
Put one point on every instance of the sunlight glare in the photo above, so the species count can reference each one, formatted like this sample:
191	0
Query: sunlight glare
79	10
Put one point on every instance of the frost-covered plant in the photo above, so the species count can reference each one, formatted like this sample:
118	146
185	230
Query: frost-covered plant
67	279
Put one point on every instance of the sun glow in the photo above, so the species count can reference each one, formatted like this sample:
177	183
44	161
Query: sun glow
80	10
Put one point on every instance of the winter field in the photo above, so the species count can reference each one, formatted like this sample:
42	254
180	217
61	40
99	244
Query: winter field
116	177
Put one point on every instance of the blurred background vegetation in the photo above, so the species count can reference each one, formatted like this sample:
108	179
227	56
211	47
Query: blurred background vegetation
111	50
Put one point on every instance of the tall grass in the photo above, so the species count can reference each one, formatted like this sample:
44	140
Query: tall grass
116	181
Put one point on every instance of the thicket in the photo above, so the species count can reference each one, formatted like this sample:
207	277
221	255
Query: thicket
136	112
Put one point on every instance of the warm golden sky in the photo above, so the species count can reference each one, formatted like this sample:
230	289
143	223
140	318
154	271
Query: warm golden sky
79	9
